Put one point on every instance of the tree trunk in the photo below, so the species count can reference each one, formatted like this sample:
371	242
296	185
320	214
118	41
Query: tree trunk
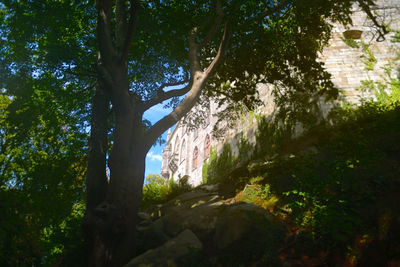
113	221
127	167
96	178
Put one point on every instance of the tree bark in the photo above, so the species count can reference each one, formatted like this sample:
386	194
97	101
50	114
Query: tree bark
96	178
116	217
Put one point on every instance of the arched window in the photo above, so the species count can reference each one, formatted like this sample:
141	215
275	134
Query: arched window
183	150
207	147
195	157
176	149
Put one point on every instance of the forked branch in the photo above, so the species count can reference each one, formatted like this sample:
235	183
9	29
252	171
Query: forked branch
162	95
198	80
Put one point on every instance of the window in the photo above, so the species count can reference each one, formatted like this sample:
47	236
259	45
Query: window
207	147
195	157
183	150
176	149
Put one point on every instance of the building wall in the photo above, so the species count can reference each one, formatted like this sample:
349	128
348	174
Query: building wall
342	61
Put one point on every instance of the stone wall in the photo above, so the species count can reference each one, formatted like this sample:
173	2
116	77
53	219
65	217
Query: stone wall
346	64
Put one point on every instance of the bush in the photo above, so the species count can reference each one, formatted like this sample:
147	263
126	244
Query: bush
159	190
332	191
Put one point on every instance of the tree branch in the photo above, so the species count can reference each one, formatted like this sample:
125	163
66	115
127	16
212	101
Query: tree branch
221	50
104	9
183	108
120	23
162	96
382	31
275	9
133	11
197	83
211	33
194	48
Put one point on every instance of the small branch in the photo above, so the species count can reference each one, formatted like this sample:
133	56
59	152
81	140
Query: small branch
168	121
275	9
282	5
162	96
90	86
382	31
221	50
80	74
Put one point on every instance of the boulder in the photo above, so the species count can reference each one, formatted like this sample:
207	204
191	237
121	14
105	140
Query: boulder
150	236
209	187
244	225
175	250
188	200
201	219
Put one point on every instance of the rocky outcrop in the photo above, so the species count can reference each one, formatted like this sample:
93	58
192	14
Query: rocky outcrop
221	227
175	249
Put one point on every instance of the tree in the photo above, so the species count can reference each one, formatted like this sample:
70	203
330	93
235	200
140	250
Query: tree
144	48
43	140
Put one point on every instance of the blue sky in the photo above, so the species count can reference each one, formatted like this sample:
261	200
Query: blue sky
153	159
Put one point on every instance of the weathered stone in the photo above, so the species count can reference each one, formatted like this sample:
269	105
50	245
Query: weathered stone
176	249
245	233
151	236
240	221
187	200
144	216
209	187
200	219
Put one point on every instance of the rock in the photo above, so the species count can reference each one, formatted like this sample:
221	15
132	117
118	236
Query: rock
188	200
201	219
151	236
144	219
195	210
244	225
209	187
144	216
174	250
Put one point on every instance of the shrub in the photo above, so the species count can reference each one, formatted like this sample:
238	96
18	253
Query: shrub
159	190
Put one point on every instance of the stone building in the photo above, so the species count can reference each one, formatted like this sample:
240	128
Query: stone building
186	151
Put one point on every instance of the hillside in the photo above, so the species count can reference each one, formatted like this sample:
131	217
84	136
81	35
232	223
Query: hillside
327	198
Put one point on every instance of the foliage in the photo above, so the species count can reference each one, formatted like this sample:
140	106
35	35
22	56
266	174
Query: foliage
257	194
158	190
42	180
333	191
350	42
271	136
245	150
43	124
220	165
368	59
